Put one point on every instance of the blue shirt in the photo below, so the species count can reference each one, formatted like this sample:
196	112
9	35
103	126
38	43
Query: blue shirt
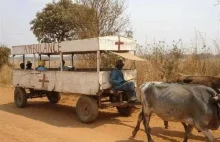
116	78
41	69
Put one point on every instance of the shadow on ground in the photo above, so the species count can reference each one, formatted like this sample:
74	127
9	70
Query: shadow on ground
64	116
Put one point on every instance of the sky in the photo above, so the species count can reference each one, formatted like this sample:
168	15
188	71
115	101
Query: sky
150	19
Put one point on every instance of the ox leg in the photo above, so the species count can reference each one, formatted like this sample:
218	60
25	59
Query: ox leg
188	132
206	132
166	125
185	126
208	135
140	118
146	121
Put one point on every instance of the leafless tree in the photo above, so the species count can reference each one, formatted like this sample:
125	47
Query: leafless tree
109	18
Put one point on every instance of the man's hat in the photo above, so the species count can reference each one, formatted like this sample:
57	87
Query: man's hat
41	63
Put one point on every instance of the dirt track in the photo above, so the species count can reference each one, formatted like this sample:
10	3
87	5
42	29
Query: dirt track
41	121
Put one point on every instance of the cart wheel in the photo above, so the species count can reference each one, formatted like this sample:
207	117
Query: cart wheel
87	109
20	97
53	97
126	111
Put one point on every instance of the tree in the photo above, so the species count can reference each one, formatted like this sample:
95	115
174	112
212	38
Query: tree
109	16
61	21
4	54
109	19
65	20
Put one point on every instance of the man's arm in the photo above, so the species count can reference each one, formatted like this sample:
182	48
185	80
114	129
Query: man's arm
113	78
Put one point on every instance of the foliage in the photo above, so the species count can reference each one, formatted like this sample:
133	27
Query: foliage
4	55
109	16
65	20
61	21
109	20
164	59
5	75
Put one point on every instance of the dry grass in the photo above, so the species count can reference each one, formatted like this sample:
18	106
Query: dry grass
162	66
157	69
165	62
6	75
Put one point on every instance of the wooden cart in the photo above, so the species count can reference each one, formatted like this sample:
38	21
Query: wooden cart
94	86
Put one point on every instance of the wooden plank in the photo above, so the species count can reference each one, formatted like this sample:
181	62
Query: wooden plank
77	82
116	43
34	79
89	83
36	49
80	45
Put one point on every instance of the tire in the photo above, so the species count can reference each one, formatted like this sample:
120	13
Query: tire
125	111
54	97
20	97
87	109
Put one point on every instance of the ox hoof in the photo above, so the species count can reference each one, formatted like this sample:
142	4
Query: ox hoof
131	138
134	132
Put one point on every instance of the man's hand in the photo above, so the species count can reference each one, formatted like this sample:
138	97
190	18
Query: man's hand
124	81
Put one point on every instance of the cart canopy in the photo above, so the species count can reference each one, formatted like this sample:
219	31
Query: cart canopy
107	43
128	55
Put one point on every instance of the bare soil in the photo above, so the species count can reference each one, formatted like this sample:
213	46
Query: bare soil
41	121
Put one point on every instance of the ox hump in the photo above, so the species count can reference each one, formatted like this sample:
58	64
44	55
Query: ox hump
147	84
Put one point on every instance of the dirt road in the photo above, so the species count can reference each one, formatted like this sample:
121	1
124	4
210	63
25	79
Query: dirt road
41	121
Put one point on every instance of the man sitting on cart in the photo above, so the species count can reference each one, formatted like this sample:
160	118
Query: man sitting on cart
41	66
66	68
120	84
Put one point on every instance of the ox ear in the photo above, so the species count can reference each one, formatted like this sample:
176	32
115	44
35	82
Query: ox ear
142	85
146	84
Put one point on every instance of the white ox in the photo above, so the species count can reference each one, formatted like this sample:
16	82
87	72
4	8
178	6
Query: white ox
195	105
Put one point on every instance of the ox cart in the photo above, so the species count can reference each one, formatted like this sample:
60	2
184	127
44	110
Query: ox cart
92	84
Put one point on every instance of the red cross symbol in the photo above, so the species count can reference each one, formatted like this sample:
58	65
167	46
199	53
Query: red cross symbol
43	80
119	43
